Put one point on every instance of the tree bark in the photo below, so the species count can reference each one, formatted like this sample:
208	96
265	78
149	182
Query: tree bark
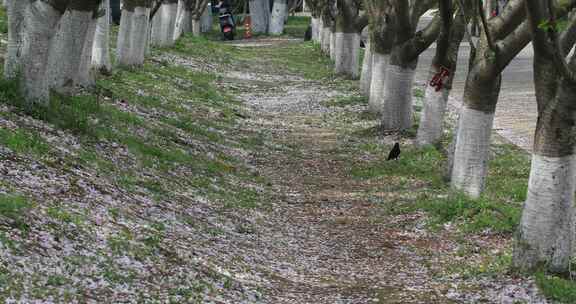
164	24
133	33
439	84
545	237
260	13
101	49
367	64
41	24
16	10
279	14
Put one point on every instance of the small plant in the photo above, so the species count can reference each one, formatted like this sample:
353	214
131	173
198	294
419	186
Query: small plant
556	289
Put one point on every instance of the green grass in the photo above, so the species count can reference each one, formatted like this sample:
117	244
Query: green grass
556	289
22	141
413	163
14	208
475	215
347	101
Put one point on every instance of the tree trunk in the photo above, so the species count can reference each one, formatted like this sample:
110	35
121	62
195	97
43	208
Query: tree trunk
397	106
16	10
347	48
164	24
473	138
187	21
178	25
366	75
206	19
432	116
260	13
546	233
325	43
41	24
378	81
69	49
101	49
545	238
133	35
279	13
332	44
85	76
315	23
196	27
441	76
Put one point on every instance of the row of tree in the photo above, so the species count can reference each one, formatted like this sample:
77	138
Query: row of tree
547	230
61	44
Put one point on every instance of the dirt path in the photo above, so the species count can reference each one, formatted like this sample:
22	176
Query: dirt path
330	241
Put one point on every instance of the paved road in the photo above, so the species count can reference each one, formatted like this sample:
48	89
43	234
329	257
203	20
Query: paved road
516	113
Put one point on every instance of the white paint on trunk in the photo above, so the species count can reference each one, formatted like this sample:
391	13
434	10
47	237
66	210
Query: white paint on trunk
397	107
133	36
315	23
378	81
547	224
15	13
41	21
366	74
332	45
325	43
279	13
196	27
101	48
179	19
85	76
472	151
164	25
206	19
260	14
68	47
186	21
432	117
347	52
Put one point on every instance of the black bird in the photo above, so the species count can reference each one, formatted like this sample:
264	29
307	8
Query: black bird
395	152
308	34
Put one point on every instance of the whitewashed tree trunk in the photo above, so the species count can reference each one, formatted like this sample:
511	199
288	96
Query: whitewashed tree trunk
432	116
16	10
196	27
279	14
326	38
260	13
548	213
133	36
332	45
397	107
346	54
366	74
378	81
206	19
317	32
178	25
314	24
164	25
85	76
472	151
101	48
67	49
187	21
41	25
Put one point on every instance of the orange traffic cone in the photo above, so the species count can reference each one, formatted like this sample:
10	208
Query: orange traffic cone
247	27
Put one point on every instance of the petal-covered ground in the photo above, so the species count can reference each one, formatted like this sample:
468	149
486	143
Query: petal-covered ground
222	173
